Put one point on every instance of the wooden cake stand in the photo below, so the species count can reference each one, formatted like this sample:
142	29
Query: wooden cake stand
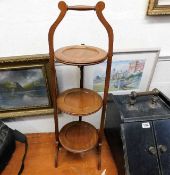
79	136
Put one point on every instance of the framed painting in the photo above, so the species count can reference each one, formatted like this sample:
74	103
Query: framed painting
24	86
158	7
131	71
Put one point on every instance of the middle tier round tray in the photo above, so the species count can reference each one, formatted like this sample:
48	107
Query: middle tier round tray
78	136
79	101
80	55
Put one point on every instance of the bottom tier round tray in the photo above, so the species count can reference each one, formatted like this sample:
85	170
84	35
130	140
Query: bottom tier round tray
79	101
78	136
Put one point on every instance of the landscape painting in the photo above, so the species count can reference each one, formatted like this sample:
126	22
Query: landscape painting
125	75
23	88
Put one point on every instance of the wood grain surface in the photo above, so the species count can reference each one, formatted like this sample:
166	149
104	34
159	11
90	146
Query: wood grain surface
80	55
78	136
40	159
79	101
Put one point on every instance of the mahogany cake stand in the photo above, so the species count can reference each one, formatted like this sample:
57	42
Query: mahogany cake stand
79	136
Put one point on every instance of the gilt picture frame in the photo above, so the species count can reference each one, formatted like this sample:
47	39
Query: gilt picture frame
158	7
24	86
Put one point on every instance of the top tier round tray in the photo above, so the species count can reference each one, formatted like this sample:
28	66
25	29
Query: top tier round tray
79	136
80	55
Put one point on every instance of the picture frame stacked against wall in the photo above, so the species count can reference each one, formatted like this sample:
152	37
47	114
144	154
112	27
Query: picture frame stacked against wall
24	86
158	7
131	71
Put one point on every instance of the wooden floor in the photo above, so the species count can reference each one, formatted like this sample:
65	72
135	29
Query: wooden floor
40	159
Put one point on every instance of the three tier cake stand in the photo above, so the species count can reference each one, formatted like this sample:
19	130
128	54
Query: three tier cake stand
79	136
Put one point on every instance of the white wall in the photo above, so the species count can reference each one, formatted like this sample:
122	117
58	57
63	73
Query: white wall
24	29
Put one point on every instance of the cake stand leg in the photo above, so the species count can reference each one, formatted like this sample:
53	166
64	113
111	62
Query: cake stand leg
80	118
56	136
56	155
81	82
99	148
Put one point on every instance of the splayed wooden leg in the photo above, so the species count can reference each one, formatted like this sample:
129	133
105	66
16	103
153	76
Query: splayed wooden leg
99	155
56	155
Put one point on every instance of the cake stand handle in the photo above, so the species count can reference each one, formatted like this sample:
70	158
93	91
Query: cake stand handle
53	80
99	8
